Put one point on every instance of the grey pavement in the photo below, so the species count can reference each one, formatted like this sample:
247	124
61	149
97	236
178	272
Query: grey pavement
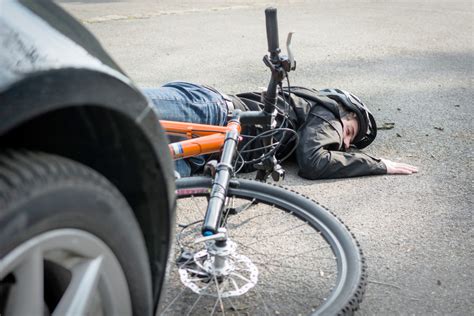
411	61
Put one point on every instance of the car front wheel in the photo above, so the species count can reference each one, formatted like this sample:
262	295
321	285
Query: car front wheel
69	242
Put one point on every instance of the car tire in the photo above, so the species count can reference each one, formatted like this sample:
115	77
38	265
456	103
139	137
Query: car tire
69	241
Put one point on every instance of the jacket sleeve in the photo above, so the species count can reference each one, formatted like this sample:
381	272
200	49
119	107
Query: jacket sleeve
319	156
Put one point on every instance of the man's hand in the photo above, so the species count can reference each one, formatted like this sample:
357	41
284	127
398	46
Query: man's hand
399	168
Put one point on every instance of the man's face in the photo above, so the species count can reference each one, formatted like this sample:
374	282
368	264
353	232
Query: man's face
350	128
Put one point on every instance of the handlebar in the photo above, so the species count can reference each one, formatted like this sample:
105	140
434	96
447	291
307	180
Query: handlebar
272	31
279	67
274	60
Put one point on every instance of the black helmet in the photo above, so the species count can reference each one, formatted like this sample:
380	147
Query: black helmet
367	126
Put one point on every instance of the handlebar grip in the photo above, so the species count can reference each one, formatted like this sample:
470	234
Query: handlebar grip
272	29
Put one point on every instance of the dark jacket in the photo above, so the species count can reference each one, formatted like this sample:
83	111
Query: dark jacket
317	119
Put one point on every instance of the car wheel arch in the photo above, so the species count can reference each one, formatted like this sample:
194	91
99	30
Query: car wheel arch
122	141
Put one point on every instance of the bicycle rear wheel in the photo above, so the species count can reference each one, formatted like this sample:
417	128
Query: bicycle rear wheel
307	261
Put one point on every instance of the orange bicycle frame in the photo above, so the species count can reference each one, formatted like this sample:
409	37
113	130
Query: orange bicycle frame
201	138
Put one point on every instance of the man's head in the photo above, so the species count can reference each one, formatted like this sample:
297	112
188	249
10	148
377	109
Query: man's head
350	128
367	128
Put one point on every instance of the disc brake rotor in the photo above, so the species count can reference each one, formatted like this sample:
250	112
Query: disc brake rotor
237	277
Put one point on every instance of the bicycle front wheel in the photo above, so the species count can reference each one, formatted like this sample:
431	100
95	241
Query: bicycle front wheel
291	256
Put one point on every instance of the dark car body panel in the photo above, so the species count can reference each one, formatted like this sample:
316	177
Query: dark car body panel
60	92
39	35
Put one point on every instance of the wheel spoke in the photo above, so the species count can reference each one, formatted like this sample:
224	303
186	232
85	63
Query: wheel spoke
278	234
27	294
71	283
194	304
174	300
80	292
279	265
287	255
196	206
263	301
303	235
219	298
233	307
301	255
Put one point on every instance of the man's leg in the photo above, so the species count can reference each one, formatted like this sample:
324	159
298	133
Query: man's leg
188	102
182	167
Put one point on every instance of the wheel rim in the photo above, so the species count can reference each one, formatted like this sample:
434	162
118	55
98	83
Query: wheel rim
96	282
262	300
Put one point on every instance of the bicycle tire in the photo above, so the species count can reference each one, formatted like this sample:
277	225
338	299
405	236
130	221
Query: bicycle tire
298	281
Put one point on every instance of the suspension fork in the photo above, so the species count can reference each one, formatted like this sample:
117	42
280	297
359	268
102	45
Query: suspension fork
224	171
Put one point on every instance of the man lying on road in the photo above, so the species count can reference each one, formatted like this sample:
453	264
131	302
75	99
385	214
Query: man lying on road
329	122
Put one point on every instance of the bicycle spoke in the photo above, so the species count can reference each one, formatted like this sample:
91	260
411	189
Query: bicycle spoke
244	222
219	298
277	234
214	308
231	304
197	207
287	267
194	304
263	301
292	267
284	284
302	254
174	300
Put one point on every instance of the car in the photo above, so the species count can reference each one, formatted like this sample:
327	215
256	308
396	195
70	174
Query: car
86	179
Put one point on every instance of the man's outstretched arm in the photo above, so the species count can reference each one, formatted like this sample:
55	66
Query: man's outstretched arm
319	156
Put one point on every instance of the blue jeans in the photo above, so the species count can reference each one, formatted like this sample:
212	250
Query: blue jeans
188	102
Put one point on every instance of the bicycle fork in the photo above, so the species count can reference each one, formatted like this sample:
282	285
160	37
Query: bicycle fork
218	246
223	261
224	170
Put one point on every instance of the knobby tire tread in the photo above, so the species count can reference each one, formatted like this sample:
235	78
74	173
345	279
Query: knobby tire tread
354	301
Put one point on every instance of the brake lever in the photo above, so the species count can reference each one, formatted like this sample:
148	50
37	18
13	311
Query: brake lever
291	58
288	62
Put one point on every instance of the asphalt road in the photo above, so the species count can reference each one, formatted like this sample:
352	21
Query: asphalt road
411	62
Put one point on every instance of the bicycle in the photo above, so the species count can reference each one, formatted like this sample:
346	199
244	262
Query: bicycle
258	248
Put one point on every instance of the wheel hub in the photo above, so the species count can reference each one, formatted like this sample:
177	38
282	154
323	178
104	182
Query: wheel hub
219	271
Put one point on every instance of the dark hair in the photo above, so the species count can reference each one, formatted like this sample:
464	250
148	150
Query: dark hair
348	114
